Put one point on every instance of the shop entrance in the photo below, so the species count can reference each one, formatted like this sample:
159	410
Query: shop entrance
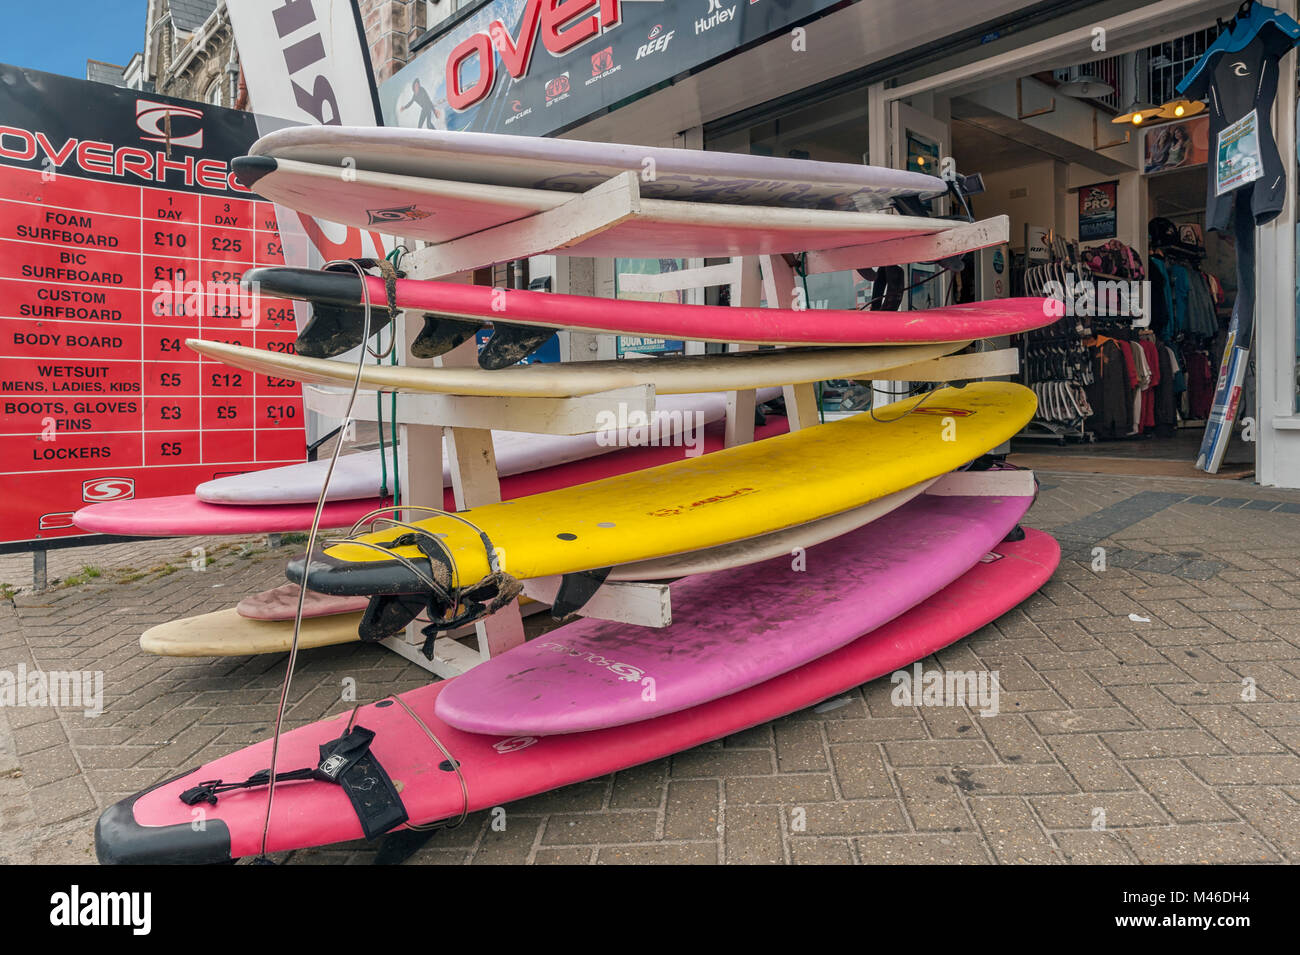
1109	219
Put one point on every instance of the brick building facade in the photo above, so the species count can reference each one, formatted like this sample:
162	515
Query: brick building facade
189	48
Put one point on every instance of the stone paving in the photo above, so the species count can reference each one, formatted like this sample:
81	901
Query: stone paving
1149	712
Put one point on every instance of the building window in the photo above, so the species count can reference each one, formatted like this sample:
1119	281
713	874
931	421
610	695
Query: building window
213	95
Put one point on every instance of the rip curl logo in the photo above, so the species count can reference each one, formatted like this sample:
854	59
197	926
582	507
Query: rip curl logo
156	122
715	499
1240	69
397	214
107	489
624	671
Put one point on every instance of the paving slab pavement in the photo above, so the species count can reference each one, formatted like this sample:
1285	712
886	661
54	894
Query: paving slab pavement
1149	712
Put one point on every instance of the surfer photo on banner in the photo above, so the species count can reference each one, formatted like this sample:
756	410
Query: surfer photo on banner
430	116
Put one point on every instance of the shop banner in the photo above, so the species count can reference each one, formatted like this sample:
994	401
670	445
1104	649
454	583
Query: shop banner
537	66
305	63
123	233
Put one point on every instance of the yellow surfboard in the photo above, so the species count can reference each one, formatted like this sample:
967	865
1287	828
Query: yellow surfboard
687	505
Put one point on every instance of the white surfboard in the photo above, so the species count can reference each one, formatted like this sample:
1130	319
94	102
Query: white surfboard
438	210
571	165
358	476
673	375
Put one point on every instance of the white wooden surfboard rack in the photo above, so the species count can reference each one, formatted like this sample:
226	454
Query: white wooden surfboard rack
468	421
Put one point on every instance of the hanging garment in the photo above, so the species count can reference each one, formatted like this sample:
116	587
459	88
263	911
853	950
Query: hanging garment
1162	304
1181	283
1166	404
1150	355
1200	383
1238	75
1202	320
1141	383
1108	395
1180	373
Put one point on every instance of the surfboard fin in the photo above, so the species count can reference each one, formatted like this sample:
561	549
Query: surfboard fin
575	590
441	334
388	614
334	329
397	847
511	344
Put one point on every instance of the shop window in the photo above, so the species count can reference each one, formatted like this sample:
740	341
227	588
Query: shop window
832	130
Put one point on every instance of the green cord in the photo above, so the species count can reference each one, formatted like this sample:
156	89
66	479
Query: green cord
395	257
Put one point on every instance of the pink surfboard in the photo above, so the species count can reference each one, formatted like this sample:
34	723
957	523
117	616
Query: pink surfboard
595	674
716	323
155	826
184	515
281	603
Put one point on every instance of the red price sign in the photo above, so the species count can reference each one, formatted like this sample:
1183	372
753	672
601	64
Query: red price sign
114	249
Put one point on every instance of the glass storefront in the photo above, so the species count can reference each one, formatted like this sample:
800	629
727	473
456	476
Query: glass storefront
831	130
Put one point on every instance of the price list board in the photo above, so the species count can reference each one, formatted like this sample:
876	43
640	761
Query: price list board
122	233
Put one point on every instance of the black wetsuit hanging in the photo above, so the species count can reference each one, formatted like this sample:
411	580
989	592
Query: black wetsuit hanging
1235	83
1238	75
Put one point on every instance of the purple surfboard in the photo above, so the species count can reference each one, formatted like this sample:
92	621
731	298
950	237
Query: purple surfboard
732	629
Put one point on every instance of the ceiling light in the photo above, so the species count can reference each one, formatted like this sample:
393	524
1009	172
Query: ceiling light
1086	86
1138	113
1181	109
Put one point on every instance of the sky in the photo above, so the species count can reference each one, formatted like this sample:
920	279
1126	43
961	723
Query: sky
58	36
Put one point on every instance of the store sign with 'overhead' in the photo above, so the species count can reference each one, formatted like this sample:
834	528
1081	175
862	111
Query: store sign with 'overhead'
537	66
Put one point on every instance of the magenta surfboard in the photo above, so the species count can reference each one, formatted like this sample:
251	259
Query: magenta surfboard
155	826
183	515
594	674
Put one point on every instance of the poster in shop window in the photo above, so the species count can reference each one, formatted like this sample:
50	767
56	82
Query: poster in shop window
1098	211
1177	146
122	234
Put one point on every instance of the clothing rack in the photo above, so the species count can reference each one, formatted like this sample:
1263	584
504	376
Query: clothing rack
1052	358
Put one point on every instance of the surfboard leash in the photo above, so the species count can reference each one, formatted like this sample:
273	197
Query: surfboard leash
311	545
451	761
